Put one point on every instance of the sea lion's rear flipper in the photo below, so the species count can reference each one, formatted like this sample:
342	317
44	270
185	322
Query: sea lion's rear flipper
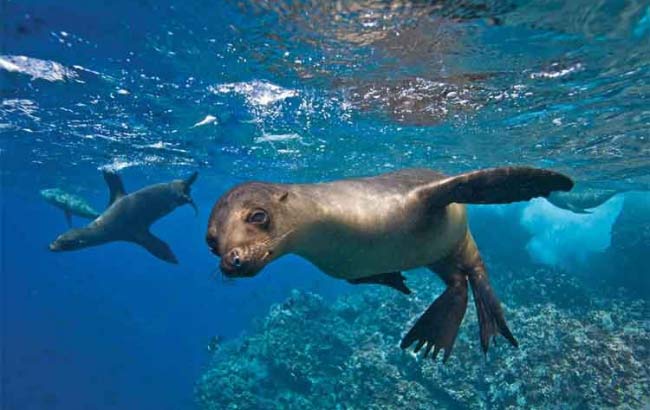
187	188
494	186
394	280
68	217
115	186
438	326
191	179
156	246
491	320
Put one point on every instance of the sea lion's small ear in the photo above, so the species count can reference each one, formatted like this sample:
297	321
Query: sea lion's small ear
282	196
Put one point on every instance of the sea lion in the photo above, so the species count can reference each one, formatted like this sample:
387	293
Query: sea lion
583	200
69	203
368	230
129	216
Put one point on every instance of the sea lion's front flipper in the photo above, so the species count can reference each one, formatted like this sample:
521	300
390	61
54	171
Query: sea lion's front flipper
494	186
394	280
115	186
156	246
438	326
491	320
68	217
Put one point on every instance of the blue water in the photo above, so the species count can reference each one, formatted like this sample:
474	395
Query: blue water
280	91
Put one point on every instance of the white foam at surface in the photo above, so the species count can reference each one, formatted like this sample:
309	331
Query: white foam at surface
209	119
277	137
119	164
561	237
157	145
37	69
557	73
256	92
20	105
160	145
8	65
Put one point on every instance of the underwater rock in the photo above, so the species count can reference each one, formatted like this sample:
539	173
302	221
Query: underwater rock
630	244
590	351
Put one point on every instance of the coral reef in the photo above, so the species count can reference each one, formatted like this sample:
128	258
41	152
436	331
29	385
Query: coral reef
578	350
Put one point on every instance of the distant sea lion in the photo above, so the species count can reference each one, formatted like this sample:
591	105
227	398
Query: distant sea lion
69	203
368	230
581	201
128	217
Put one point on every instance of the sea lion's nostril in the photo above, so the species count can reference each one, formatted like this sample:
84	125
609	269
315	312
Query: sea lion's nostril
234	258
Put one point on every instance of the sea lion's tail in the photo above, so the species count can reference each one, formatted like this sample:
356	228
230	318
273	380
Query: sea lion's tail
488	309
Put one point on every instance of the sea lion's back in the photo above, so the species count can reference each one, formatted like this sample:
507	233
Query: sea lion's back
399	182
373	204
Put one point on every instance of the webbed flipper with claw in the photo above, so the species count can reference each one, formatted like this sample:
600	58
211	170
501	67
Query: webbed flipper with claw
488	309
438	326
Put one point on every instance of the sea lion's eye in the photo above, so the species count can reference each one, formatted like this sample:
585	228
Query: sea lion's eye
258	217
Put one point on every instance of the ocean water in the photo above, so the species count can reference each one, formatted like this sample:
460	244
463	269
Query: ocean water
307	91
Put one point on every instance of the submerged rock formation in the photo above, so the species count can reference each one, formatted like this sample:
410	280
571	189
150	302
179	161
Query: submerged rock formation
623	262
578	351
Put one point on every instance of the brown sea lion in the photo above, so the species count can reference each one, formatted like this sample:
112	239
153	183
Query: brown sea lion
70	204
582	201
128	217
368	230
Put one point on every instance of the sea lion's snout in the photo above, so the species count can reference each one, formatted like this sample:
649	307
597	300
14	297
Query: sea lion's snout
231	263
246	228
68	241
239	263
61	244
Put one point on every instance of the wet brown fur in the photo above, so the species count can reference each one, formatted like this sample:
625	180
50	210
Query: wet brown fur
359	228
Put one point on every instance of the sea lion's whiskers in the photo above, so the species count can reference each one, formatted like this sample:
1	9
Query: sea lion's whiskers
269	243
217	275
274	241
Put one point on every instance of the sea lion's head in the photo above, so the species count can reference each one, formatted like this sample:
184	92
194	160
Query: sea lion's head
248	228
68	241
